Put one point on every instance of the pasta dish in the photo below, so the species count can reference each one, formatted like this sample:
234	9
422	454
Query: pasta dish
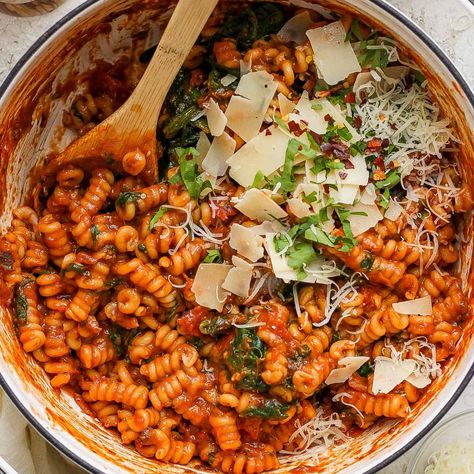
289	281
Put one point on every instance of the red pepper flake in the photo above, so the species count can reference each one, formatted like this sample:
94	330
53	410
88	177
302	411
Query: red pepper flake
350	98
328	118
374	144
268	132
349	165
379	163
295	128
317	137
357	121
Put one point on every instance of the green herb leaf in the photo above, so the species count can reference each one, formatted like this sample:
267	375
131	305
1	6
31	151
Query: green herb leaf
114	282
214	326
126	197
365	370
392	179
188	172
300	255
259	180
270	410
76	267
95	232
246	351
367	261
287	180
158	215
213	256
315	234
121	338
21	307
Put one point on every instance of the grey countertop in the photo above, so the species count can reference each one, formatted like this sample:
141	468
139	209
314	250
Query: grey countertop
449	22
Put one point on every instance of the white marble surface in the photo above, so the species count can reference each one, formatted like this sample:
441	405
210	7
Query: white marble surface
449	22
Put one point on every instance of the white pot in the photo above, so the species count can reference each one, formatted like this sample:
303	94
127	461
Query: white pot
103	28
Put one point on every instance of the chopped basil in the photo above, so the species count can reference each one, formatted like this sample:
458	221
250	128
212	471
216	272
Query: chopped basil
213	256
154	220
367	261
259	180
365	370
188	171
269	410
300	255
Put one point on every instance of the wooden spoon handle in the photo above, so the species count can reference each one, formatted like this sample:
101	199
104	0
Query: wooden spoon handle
182	31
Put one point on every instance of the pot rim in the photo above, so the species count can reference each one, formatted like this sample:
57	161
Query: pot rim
398	15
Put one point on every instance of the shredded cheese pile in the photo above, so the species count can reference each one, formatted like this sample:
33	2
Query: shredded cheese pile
455	458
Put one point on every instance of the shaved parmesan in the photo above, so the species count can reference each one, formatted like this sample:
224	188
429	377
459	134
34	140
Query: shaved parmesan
299	208
348	365
222	148
333	56
264	153
294	30
266	227
202	147
361	223
418	380
389	373
393	210
228	80
369	195
216	119
314	119
313	113
207	285
248	107
245	68
286	105
358	175
344	193
422	306
245	242
238	281
317	271
241	263
257	205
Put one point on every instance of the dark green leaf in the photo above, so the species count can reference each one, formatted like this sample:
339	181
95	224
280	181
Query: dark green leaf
76	267
95	232
126	197
270	410
367	262
213	256
212	327
365	370
315	234
188	171
300	255
158	215
21	306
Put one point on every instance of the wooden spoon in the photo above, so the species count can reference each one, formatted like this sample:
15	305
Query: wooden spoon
131	129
